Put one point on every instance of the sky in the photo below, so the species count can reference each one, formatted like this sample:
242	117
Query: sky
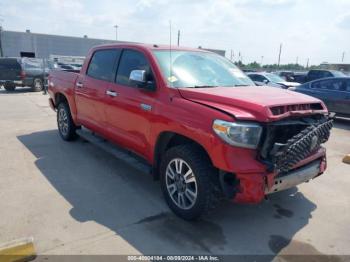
314	29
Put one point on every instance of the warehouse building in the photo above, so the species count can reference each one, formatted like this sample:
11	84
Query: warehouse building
28	44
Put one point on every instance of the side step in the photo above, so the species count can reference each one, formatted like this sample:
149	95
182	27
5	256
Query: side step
120	153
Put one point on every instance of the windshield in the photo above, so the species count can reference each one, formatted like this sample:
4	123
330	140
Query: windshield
199	69
274	78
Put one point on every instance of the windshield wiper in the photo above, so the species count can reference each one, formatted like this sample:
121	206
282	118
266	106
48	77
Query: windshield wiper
241	85
204	86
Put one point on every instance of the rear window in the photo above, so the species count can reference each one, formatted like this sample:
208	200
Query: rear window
9	64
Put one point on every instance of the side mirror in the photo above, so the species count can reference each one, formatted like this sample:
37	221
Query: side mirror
266	81
138	76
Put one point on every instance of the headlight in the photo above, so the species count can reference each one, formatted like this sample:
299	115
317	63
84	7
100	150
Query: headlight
238	134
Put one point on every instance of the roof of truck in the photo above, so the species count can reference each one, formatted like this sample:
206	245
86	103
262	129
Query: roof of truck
151	47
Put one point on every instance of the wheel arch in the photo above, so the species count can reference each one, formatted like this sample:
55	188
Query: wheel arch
167	140
59	98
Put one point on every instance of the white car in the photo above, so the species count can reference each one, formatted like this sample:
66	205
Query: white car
270	79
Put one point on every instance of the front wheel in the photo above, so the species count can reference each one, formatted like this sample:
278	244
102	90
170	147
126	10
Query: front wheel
188	182
66	126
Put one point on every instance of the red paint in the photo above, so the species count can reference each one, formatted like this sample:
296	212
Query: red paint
188	112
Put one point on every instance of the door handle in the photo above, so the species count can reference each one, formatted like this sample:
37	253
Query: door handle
79	85
111	93
146	107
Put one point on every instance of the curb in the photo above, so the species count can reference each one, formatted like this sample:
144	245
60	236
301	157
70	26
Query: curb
346	159
18	250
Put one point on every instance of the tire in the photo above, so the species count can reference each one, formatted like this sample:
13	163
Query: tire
10	86
38	85
65	124
203	182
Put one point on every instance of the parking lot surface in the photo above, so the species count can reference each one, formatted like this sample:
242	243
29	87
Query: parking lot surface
74	198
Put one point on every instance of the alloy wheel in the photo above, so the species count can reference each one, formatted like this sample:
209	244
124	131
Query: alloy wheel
181	183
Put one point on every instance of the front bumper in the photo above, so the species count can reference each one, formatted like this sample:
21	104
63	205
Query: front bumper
294	178
253	187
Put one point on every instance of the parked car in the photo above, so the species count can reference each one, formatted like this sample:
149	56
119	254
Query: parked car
22	72
321	73
300	77
286	75
192	120
334	92
270	79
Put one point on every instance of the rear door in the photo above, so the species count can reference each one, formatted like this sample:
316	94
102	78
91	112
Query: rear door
130	108
91	87
344	102
10	69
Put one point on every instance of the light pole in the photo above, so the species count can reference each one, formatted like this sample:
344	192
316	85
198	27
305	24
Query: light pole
342	58
116	32
279	55
262	59
1	20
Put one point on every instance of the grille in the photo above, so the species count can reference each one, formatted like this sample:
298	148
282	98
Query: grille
302	145
280	110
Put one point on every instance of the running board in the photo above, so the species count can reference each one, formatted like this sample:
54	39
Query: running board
120	153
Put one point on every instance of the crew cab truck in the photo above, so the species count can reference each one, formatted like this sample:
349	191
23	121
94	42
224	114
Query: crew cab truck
201	125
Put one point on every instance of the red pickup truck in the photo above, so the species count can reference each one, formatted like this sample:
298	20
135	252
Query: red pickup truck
196	120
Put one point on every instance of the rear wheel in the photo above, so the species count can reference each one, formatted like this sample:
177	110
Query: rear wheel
66	126
9	86
188	182
37	85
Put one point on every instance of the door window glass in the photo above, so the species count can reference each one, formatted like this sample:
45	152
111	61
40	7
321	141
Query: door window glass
132	60
102	65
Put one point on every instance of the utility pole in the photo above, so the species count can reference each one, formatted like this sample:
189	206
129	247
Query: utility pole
1	52
297	60
307	63
116	32
261	61
231	57
178	38
279	55
343	56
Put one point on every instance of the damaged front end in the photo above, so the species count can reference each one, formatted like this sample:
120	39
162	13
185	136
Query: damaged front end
291	149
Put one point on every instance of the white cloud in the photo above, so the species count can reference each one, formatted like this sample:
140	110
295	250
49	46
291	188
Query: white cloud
344	21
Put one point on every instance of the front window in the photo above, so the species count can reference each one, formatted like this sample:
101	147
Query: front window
199	69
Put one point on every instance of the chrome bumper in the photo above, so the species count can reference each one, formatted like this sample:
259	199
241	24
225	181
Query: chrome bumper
293	178
17	82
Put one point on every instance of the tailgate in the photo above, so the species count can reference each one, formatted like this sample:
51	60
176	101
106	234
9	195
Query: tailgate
10	69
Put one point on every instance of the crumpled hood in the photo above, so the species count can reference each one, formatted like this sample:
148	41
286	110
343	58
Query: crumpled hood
251	102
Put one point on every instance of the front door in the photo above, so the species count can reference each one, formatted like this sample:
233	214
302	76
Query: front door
130	108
